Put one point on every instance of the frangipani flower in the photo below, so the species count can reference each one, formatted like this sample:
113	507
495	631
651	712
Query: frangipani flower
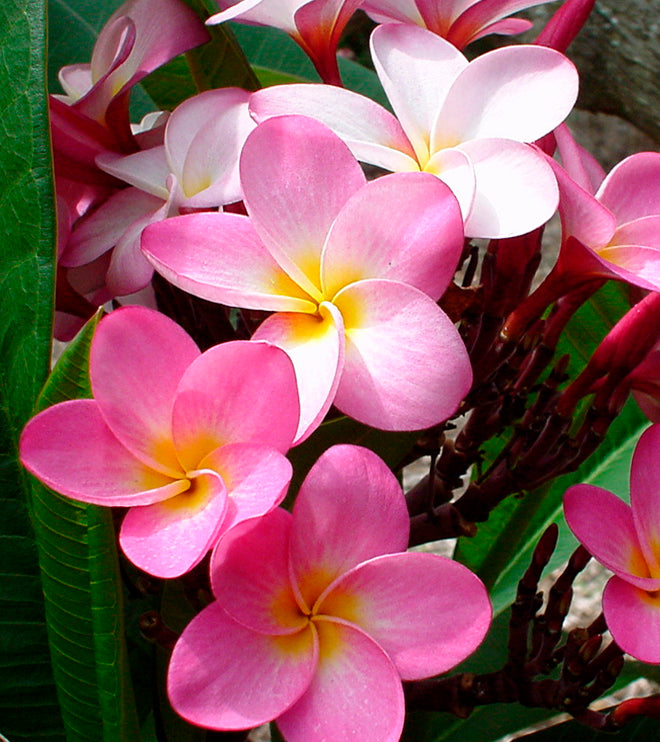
318	616
315	25
352	269
626	539
614	232
458	21
191	442
196	167
464	122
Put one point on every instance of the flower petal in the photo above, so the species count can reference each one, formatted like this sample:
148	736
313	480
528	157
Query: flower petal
296	176
70	449
417	69
516	190
315	345
220	257
645	495
635	264
256	478
632	188
236	392
405	365
633	617
355	692
224	676
455	169
350	508
604	526
147	169
140	355
250	575
421	247
371	132
427	612
169	538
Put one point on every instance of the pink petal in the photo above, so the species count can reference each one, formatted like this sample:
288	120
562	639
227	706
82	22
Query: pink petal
397	11
350	508
645	495
516	190
203	140
71	450
583	167
355	693
405	366
315	345
632	188
505	27
421	247
417	69
644	231
582	216
101	229
146	170
76	80
296	177
633	617
140	355
261	12
371	132
236	392
604	525
478	19
224	676
455	169
427	612
169	538
250	575
220	257
634	264
517	92
256	478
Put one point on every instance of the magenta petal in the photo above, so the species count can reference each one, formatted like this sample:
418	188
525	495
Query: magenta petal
296	177
220	257
633	617
170	537
604	525
355	693
236	392
224	676
140	355
405	365
70	448
632	188
427	612
315	345
250	575
347	485
256	478
645	495
420	248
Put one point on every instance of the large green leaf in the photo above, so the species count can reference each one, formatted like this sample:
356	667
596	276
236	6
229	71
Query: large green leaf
83	590
28	704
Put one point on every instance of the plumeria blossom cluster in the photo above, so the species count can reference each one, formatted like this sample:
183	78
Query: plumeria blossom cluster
338	299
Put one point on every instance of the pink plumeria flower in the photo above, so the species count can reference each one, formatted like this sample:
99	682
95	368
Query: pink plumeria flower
613	232
352	269
315	25
192	443
625	538
458	21
195	168
464	122
318	616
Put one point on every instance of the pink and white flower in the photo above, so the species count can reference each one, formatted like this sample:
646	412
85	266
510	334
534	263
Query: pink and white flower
625	538
351	269
318	615
466	123
192	443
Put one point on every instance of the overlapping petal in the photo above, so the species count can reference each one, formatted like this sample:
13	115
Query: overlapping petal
355	692
262	675
645	495
631	190
169	538
405	366
633	617
347	484
427	612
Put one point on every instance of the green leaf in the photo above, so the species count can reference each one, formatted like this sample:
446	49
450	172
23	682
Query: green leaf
28	703
82	587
